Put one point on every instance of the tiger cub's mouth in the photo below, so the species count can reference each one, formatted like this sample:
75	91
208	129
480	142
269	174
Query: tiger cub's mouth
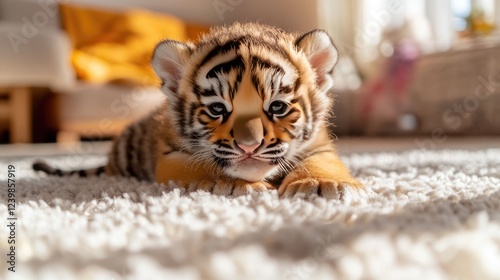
255	166
271	154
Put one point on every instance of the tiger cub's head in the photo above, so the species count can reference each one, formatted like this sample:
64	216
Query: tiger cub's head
247	97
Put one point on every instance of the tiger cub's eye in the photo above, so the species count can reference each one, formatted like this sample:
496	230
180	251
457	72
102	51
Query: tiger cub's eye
217	109
278	108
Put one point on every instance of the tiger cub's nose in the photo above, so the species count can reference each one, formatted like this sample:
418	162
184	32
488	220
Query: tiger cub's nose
248	134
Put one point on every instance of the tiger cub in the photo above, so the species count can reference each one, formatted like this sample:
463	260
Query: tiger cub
246	111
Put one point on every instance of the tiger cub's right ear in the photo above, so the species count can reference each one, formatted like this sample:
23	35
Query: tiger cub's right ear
168	61
322	55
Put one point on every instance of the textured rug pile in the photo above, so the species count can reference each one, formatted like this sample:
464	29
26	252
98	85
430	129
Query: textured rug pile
431	215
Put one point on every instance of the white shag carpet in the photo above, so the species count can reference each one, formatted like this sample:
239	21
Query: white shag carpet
433	215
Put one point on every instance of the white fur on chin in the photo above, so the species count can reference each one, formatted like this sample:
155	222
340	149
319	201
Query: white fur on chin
253	171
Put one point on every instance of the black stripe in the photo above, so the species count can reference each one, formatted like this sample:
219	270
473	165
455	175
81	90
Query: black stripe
306	133
223	145
130	150
223	163
179	112
226	67
258	86
269	116
297	84
272	85
208	93
42	166
225	117
278	141
276	161
234	88
273	152
224	153
191	116
195	135
285	89
116	156
221	91
257	62
140	154
82	173
272	47
203	92
219	50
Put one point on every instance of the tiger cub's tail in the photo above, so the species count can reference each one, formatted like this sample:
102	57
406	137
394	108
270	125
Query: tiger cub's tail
44	167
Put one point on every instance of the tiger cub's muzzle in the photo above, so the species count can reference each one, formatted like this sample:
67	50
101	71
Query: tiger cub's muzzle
248	133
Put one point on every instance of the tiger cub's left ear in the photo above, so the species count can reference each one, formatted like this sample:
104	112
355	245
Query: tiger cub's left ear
322	55
168	61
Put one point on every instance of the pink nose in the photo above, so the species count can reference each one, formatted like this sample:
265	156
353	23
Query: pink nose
249	149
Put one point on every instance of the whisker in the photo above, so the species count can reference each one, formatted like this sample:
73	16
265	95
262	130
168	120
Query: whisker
198	158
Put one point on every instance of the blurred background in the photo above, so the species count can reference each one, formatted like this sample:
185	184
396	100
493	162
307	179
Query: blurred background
78	70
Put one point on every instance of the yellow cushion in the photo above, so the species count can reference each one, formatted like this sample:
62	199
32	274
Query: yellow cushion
114	46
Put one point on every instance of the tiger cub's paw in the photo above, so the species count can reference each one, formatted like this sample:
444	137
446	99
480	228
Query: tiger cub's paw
345	190
225	187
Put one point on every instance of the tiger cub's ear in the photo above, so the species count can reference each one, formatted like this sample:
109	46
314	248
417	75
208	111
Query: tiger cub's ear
168	61
322	55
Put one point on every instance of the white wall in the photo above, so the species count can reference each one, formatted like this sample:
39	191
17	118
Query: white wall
291	15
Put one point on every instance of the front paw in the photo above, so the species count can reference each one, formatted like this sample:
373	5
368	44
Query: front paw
346	190
226	187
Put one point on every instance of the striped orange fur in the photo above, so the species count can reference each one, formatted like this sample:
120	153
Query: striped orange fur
246	111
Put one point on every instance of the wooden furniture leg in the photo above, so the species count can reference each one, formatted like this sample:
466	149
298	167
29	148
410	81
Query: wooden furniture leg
20	117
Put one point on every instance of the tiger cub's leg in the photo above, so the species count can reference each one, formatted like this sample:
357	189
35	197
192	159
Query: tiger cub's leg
177	167
324	174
